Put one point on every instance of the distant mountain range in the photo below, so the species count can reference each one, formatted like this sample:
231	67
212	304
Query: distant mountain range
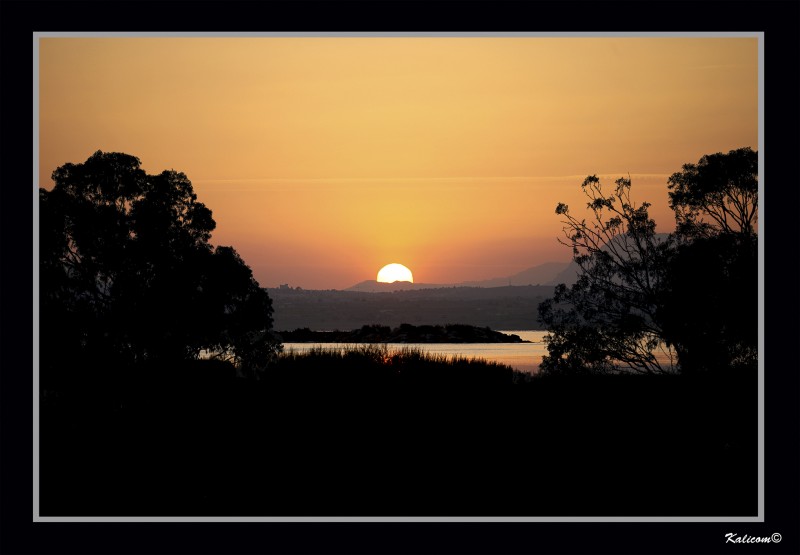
549	273
508	303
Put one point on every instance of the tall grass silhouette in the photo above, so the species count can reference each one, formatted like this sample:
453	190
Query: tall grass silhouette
367	364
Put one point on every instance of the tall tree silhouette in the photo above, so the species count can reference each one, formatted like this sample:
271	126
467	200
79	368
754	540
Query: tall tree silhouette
127	273
717	195
714	273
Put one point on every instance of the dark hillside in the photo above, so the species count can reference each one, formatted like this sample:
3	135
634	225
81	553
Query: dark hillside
497	307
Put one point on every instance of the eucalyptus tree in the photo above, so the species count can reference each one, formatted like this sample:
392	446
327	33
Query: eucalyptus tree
646	302
608	321
128	273
718	194
713	280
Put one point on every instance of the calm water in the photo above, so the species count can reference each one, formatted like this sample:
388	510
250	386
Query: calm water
521	356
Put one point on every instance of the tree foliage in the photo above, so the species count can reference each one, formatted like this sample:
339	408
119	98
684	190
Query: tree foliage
608	320
651	303
717	195
127	272
710	308
711	303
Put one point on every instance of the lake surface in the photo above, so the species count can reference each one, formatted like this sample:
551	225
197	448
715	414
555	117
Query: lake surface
520	356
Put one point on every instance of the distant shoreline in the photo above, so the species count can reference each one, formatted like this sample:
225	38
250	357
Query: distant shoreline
405	333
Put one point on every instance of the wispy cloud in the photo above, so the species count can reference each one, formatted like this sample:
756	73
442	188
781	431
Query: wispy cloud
459	180
720	66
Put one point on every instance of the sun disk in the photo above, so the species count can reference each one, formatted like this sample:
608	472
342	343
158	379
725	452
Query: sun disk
394	272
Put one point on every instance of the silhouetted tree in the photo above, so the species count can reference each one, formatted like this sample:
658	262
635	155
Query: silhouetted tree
719	194
127	273
714	274
608	320
710	306
647	302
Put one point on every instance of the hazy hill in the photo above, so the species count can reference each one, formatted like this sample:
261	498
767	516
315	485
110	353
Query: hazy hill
373	286
543	274
569	274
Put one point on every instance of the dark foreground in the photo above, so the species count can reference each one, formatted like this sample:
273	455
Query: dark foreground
199	441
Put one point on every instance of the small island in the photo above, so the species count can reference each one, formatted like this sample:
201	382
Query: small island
405	333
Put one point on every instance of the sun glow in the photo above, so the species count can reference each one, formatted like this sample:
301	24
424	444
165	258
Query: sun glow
394	272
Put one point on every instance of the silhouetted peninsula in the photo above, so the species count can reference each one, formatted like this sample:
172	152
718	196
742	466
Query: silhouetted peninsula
405	333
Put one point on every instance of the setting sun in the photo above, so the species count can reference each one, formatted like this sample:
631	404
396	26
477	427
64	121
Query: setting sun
394	272
452	152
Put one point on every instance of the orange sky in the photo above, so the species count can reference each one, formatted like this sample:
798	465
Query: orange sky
323	159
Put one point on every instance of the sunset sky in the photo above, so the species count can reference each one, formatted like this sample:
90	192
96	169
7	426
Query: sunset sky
323	159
